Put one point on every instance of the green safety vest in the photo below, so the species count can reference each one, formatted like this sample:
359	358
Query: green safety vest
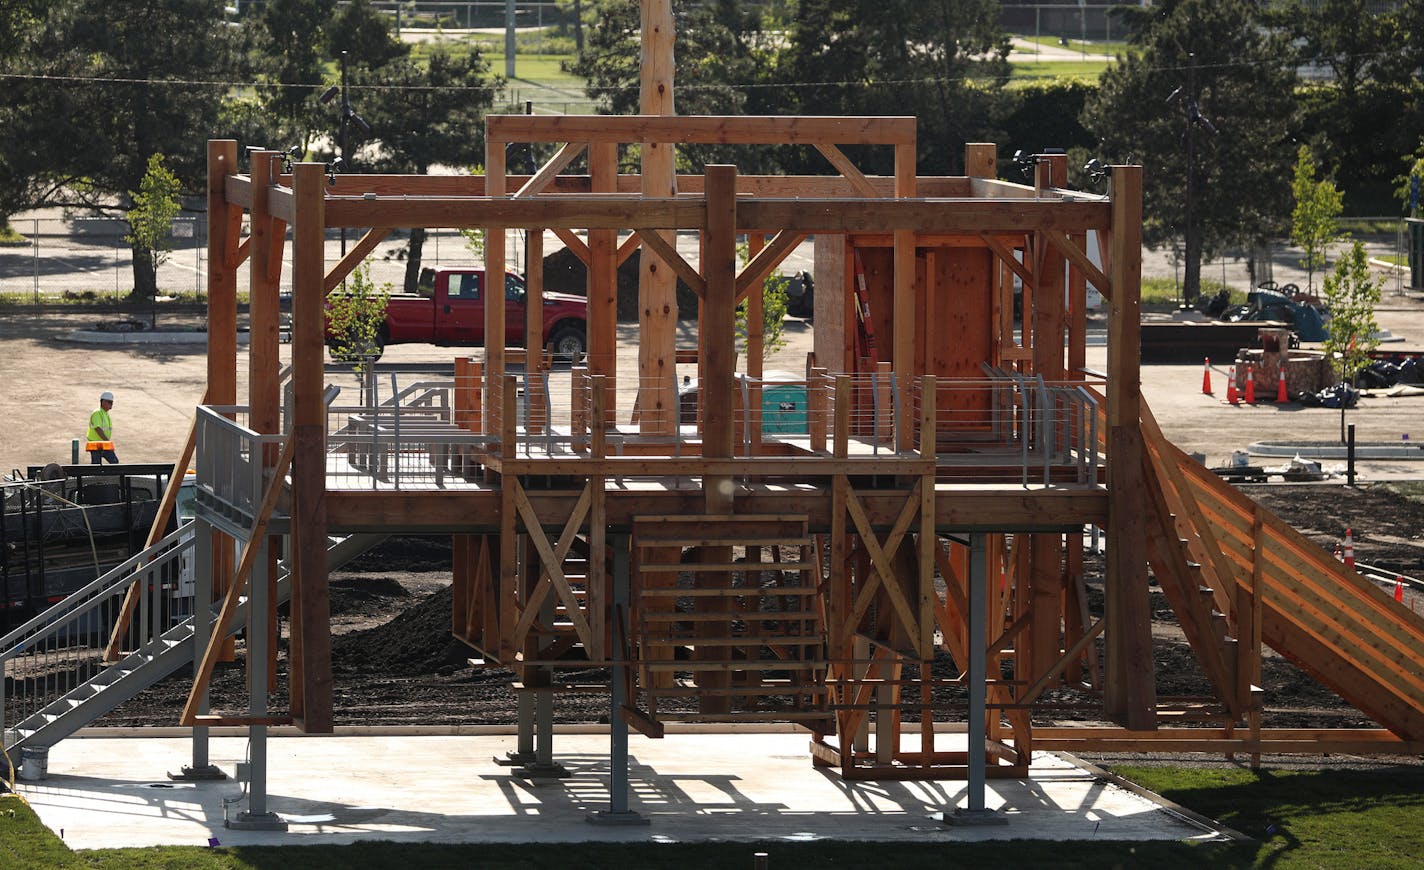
100	420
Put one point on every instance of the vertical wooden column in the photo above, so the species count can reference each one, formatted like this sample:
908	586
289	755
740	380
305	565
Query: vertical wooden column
224	226
831	340
756	347
1044	584
719	356
981	159
264	362
311	611
534	327
1129	694
905	307
494	291
657	284
603	284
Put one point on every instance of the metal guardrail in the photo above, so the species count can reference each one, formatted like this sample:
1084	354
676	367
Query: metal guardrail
63	646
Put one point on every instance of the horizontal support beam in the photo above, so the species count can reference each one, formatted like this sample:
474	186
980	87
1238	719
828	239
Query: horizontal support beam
957	508
600	212
703	129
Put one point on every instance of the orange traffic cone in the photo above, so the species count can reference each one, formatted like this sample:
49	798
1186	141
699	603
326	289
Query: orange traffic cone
1231	397
1350	549
1251	384
1399	589
1206	377
1281	394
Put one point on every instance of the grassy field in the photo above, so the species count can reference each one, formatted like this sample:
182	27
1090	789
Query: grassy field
1318	819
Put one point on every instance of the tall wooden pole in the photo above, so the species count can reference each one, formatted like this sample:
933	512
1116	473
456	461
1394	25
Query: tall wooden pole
1129	694
657	285
224	227
311	610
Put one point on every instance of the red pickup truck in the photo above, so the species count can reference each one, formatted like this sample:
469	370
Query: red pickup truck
450	310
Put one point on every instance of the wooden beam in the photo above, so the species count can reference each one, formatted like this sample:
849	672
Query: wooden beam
765	260
354	257
575	244
668	254
847	169
702	129
566	155
1129	692
310	660
1080	260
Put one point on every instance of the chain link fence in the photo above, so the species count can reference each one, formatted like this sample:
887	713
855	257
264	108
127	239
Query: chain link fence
88	258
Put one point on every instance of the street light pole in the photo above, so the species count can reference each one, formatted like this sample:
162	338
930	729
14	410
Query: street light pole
341	131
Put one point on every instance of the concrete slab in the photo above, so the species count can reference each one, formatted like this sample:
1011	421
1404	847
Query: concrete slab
113	792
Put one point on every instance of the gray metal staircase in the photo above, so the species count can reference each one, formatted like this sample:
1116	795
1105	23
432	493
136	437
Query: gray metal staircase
66	642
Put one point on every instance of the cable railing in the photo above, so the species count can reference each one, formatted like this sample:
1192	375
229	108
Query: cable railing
62	647
418	430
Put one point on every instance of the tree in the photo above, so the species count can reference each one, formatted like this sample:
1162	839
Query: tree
115	82
942	61
1351	294
292	48
1318	202
356	316
1226	74
428	115
151	220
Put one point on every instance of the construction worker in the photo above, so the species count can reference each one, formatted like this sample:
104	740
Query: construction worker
100	441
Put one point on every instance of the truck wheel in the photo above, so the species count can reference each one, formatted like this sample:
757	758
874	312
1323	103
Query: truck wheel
568	342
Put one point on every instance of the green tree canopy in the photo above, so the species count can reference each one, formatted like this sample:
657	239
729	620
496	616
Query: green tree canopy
1318	203
939	60
1224	67
113	83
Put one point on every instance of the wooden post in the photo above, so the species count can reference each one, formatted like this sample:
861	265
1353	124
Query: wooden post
903	316
833	336
224	226
311	611
981	160
603	284
534	328
1129	694
494	289
264	362
657	284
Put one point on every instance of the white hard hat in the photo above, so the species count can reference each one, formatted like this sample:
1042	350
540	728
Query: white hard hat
106	396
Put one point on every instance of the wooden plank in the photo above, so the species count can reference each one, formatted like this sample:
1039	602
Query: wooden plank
884	575
765	260
575	244
668	254
1080	260
703	129
540	180
354	257
847	169
559	553
553	566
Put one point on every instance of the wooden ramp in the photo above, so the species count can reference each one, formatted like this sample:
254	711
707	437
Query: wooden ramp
729	619
1238	576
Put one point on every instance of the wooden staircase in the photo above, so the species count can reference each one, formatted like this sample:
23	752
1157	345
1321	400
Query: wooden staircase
731	619
1262	582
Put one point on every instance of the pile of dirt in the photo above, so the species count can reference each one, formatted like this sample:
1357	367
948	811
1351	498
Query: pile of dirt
415	641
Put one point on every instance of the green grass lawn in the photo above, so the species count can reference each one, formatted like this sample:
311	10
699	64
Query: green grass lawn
1325	819
1088	69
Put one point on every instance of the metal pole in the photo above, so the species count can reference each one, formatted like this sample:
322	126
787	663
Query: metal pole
978	594
202	767
509	42
341	132
618	812
1349	452
257	817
